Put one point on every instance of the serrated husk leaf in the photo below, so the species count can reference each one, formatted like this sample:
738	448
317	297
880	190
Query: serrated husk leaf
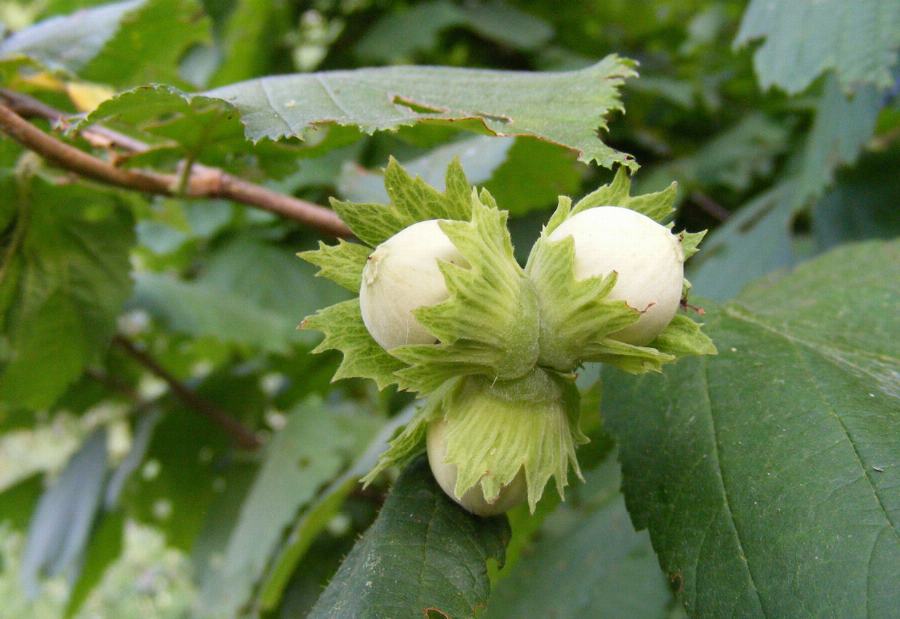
412	200
690	242
627	357
658	206
344	331
410	441
573	312
342	263
372	223
497	428
490	322
684	337
421	201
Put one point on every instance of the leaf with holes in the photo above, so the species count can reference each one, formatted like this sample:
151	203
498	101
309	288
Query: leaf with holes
769	476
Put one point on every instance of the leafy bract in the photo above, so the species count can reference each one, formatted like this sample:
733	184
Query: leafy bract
577	317
522	174
565	108
423	554
489	323
64	277
768	475
362	356
859	40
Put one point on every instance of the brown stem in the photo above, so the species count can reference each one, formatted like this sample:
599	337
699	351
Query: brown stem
242	435
710	206
203	182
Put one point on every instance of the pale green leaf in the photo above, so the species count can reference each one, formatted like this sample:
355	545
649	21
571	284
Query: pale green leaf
565	108
344	331
804	38
768	475
342	263
841	128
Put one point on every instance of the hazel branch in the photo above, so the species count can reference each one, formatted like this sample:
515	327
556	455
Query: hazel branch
203	181
242	435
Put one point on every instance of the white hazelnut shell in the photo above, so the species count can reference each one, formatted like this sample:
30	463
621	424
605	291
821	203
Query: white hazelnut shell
402	275
648	258
472	500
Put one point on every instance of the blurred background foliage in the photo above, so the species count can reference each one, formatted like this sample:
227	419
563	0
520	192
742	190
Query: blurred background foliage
778	173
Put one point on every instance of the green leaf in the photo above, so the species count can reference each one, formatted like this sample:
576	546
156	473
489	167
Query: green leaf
69	43
125	43
533	175
399	35
251	293
344	331
63	281
258	22
301	457
178	478
587	562
768	475
17	501
858	40
565	108
423	554
733	159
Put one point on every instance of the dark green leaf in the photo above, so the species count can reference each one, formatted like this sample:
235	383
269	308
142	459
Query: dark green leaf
399	35
768	475
588	562
327	504
862	204
423	554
